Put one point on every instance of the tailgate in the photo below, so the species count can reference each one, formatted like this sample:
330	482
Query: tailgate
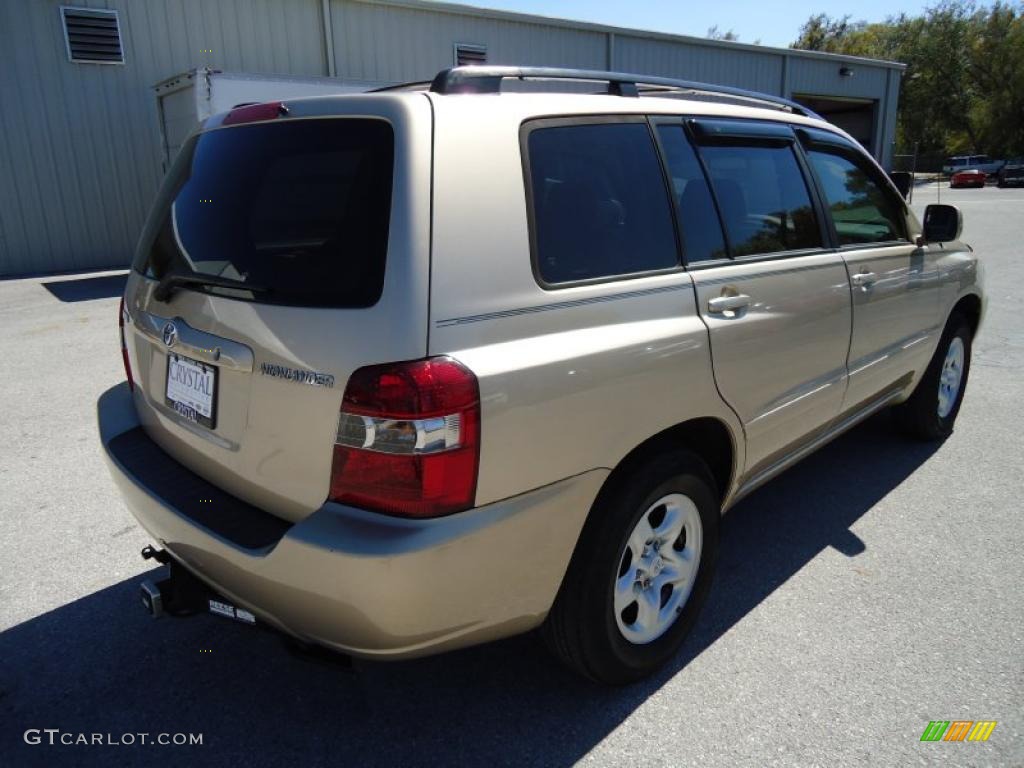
311	232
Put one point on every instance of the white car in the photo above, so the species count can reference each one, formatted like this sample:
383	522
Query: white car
972	163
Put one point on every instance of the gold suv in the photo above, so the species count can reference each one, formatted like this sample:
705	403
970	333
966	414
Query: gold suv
425	367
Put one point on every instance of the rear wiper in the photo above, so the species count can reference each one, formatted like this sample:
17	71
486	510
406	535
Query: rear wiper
170	281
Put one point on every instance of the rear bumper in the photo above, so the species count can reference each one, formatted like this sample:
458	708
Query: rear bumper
358	582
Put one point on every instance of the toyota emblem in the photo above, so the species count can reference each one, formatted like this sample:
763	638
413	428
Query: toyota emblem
170	334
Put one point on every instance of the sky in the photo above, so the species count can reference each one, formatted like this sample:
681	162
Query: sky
774	24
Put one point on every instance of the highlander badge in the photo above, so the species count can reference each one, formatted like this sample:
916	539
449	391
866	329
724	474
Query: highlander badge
297	374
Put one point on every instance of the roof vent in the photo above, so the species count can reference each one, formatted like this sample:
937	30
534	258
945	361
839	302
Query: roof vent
469	54
92	36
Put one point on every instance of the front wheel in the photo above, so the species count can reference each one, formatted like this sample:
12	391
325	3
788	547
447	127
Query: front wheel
640	573
931	411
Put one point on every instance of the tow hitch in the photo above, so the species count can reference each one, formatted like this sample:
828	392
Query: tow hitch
182	594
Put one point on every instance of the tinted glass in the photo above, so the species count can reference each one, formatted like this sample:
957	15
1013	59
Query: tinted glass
763	198
301	208
863	212
599	200
698	221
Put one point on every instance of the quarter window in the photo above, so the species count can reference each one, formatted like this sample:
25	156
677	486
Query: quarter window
763	198
599	202
861	210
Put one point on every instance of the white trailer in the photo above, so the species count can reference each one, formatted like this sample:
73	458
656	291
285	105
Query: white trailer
185	100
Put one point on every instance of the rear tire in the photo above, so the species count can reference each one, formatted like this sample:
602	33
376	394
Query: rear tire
931	411
657	525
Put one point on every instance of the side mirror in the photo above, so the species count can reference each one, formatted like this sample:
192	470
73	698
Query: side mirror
903	181
942	223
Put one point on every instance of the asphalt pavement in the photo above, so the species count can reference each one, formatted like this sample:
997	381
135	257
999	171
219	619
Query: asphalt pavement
875	587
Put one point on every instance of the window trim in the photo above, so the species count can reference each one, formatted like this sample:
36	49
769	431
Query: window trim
731	132
821	209
755	258
657	121
532	124
817	139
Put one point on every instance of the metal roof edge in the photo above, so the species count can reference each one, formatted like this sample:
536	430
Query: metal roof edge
554	21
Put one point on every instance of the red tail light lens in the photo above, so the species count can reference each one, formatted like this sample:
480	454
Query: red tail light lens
409	439
255	113
122	317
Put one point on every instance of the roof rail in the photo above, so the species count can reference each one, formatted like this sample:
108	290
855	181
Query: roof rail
488	79
424	84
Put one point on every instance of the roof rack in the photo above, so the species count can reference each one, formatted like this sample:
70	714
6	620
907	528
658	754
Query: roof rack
488	79
423	84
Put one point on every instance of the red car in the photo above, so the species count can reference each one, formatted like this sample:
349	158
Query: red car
969	178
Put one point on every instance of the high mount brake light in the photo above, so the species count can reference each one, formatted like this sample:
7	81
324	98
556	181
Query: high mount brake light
408	439
255	113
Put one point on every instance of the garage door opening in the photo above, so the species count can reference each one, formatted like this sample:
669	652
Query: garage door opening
855	116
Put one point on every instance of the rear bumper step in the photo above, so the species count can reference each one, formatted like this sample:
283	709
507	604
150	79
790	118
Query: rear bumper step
232	518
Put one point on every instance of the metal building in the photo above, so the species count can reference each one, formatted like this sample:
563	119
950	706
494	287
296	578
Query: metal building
80	141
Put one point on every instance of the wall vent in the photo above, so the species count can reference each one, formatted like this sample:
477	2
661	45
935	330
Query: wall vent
92	36
468	54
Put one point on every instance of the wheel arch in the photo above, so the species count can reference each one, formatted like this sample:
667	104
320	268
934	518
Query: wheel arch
708	437
969	305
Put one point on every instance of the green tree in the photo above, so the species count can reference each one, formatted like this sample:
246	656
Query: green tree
821	32
963	89
997	67
716	34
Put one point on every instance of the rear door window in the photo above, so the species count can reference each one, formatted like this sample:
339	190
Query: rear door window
698	221
763	198
863	210
600	206
301	208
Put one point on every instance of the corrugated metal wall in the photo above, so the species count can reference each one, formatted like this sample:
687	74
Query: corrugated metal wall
743	68
821	77
79	143
395	43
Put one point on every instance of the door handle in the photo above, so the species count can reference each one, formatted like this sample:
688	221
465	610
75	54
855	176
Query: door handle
721	304
864	279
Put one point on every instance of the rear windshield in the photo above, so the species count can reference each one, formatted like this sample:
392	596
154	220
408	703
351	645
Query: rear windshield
298	208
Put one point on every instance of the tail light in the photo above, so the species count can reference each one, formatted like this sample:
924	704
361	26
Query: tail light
409	439
122	317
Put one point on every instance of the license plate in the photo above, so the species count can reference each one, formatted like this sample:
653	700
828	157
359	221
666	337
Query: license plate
192	389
